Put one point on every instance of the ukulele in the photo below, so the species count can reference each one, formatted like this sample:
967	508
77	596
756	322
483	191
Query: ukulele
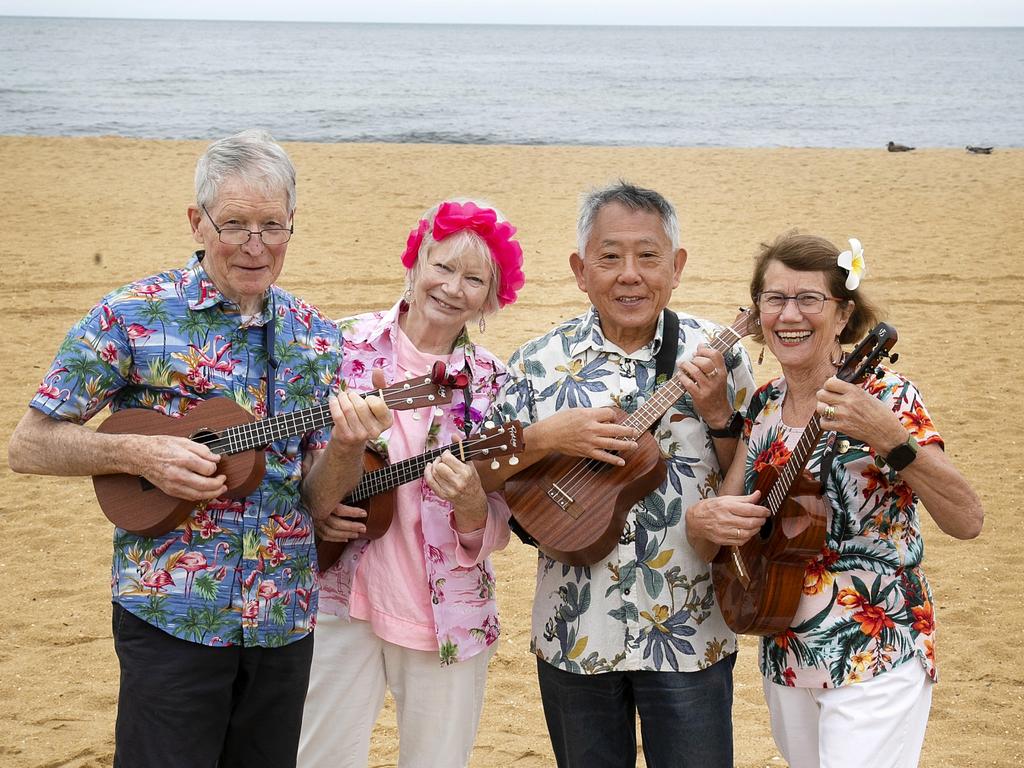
226	428
758	584
376	491
575	508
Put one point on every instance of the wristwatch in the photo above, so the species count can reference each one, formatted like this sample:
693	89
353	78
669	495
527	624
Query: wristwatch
733	427
902	455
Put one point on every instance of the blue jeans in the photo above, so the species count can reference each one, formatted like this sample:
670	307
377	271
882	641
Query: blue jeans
186	705
685	717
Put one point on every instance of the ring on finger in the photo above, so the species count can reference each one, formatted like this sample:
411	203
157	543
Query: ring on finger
829	412
713	372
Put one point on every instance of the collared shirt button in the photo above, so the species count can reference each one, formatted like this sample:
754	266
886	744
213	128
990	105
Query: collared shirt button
625	591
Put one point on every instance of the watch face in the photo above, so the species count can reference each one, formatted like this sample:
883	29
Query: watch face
901	456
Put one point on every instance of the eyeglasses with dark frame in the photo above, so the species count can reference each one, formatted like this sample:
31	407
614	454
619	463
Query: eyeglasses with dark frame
808	302
240	235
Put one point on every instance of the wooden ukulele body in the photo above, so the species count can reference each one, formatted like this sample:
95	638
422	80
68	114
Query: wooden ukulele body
765	599
136	505
380	511
576	508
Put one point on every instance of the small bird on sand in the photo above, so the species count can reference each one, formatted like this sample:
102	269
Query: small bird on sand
979	150
892	146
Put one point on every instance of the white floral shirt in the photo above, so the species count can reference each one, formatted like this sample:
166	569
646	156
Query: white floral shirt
650	605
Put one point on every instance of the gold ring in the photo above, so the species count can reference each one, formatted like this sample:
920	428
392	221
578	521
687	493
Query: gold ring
829	412
712	373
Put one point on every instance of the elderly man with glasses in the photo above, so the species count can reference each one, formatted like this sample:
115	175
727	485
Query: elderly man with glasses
212	621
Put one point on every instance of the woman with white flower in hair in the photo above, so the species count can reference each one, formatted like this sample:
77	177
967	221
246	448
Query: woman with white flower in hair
413	611
849	683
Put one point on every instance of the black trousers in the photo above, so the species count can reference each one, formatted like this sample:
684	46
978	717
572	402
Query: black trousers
182	704
685	717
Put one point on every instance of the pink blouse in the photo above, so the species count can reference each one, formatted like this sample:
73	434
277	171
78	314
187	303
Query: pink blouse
422	585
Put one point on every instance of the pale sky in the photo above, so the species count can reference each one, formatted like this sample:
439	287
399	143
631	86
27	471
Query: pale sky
868	13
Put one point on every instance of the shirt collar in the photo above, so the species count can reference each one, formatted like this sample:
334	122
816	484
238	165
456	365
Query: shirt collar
589	336
201	292
462	354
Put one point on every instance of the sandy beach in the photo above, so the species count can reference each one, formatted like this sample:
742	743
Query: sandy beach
942	231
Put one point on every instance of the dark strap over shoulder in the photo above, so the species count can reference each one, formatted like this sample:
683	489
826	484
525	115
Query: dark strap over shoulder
665	360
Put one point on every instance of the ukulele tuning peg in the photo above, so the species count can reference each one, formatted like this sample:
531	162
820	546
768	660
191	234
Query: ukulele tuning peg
494	464
894	357
408	401
513	460
488	425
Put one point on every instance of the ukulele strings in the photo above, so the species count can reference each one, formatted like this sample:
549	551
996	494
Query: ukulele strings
583	472
407	470
256	434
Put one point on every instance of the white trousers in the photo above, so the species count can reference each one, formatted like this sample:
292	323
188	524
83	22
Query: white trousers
878	723
438	707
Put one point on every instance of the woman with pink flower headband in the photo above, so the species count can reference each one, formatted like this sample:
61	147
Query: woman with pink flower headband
414	610
849	682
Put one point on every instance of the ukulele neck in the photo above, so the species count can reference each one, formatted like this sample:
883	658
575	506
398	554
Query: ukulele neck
657	404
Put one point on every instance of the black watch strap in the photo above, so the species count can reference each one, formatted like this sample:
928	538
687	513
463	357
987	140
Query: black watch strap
733	427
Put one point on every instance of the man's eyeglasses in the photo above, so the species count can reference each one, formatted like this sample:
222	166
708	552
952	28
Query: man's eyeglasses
240	236
808	302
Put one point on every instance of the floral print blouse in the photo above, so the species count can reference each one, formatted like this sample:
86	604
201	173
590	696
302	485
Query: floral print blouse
236	571
462	593
866	606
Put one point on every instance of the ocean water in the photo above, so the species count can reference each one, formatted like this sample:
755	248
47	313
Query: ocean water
660	86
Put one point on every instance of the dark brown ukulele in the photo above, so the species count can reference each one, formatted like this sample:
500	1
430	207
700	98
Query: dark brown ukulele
376	491
758	584
136	505
576	508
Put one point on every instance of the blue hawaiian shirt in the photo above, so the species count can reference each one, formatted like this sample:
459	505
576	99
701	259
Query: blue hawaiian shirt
236	571
649	605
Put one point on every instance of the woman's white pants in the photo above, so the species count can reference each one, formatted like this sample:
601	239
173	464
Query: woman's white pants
879	722
438	707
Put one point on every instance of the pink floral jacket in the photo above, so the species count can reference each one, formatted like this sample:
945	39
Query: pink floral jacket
461	586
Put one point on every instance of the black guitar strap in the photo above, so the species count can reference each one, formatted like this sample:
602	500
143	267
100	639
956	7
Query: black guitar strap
665	360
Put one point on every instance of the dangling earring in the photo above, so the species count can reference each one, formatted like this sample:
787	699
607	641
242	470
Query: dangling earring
482	324
407	296
760	357
832	356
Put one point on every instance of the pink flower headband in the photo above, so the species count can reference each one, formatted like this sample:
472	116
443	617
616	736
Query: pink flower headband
455	217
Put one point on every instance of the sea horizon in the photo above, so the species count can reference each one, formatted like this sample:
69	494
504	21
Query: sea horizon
517	84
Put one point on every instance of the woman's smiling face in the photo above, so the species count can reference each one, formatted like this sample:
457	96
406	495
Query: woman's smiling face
449	291
801	341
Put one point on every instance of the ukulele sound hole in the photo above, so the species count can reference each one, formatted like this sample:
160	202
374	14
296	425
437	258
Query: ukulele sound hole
766	529
146	485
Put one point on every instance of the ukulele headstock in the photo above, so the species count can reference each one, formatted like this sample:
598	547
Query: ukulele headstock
496	440
866	356
746	323
415	393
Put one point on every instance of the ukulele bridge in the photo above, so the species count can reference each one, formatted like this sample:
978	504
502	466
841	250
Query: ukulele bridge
563	500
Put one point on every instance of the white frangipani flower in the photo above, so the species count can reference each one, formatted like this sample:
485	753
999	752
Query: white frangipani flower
853	262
